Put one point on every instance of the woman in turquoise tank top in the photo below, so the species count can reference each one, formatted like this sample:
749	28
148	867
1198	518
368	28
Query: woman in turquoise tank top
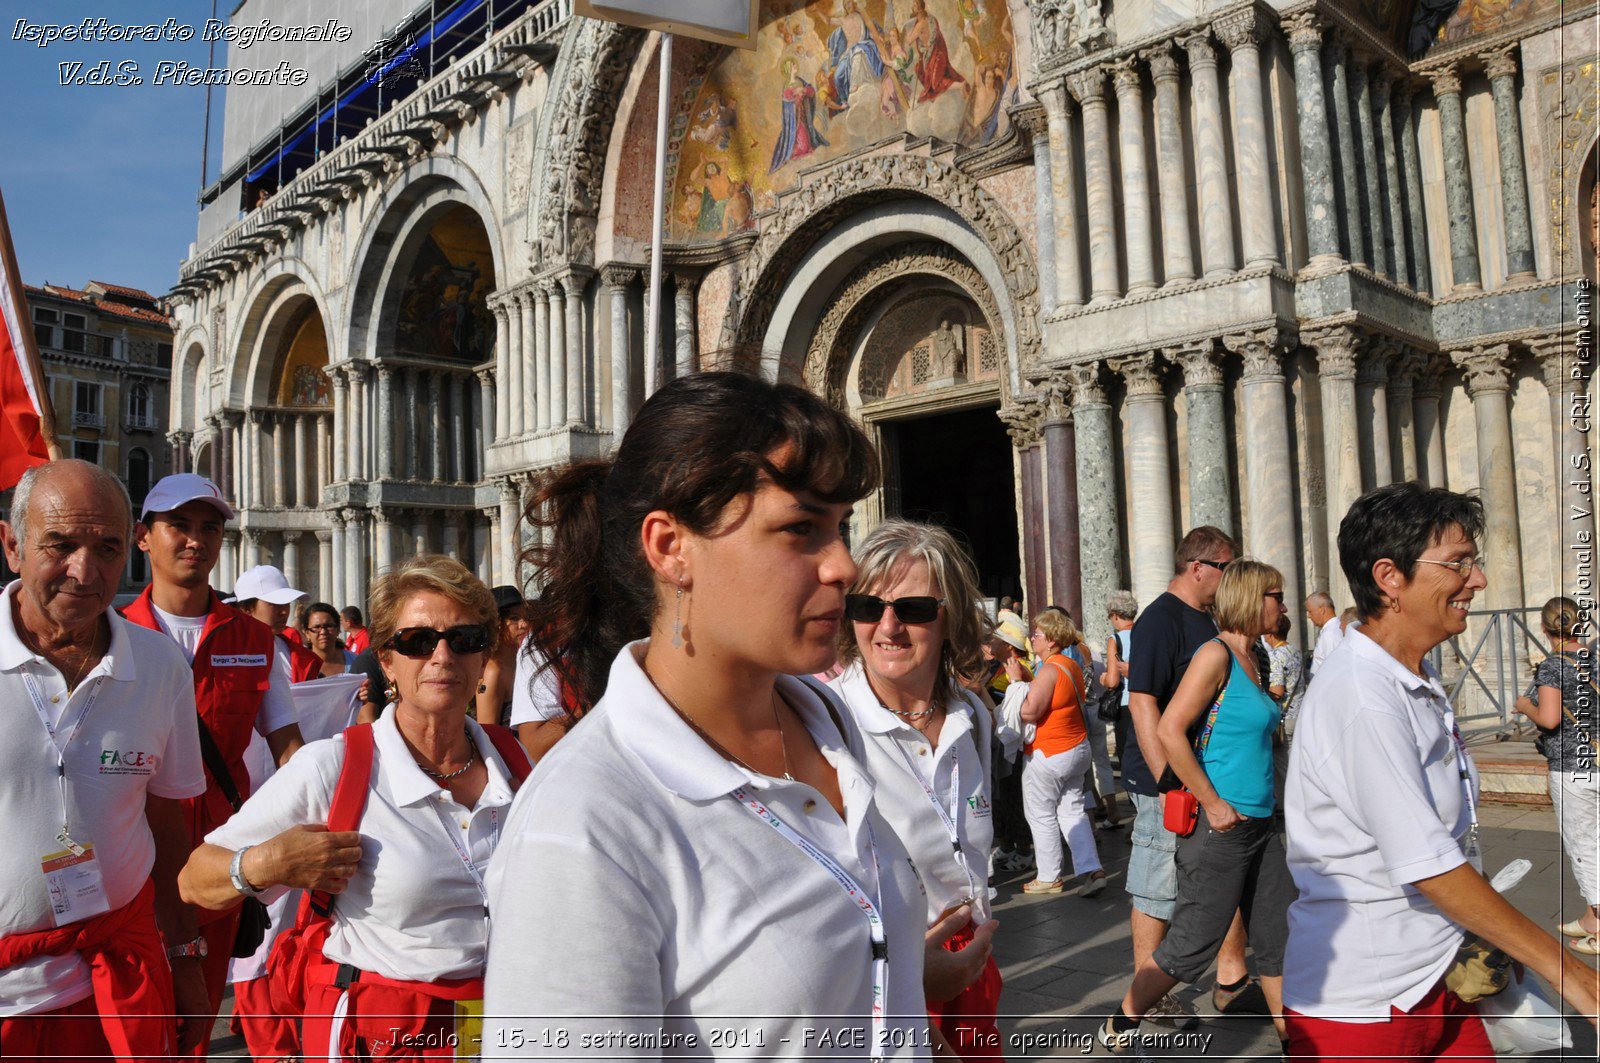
1217	733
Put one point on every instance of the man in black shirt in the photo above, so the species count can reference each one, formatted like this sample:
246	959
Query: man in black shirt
1164	638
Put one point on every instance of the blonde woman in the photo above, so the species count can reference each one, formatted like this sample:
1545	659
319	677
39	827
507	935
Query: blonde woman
915	636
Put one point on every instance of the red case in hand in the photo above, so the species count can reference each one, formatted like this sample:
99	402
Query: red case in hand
1180	810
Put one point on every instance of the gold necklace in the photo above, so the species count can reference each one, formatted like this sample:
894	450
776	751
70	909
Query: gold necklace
722	750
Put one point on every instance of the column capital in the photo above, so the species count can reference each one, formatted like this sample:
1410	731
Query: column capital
1405	366
1202	53
1163	63
572	282
616	276
382	516
1034	121
1446	81
1485	368
508	490
1372	369
1336	351
1385	77
291	536
1500	63
1241	29
1199	362
1261	351
324	535
1557	355
1125	77
1057	398
1087	387
485	376
1053	94
385	372
1143	373
251	536
1022	420
685	281
1088	84
337	517
336	377
1305	31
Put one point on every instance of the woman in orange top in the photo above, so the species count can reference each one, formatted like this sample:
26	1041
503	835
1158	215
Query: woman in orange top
1058	761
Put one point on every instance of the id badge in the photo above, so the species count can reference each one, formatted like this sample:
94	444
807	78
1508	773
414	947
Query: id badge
469	1030
76	889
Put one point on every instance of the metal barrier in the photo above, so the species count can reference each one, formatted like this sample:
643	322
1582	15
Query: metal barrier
1485	681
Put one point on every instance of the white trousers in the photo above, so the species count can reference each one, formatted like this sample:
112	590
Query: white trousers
1576	796
1053	800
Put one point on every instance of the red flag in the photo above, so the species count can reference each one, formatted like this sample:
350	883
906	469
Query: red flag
27	435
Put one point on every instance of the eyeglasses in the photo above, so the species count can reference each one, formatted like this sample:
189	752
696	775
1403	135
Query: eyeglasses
323	627
1276	596
1220	566
1462	568
420	641
868	608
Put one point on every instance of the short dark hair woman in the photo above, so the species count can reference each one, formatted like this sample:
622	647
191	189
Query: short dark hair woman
1381	806
704	843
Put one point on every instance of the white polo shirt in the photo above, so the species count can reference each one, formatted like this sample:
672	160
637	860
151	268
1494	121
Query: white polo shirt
906	767
412	910
633	884
127	732
1374	802
1328	639
535	691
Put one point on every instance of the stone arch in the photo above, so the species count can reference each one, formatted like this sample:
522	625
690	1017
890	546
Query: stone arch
275	306
823	228
396	227
188	380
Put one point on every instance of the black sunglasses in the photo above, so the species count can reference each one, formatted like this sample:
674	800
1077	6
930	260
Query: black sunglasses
420	641
1220	566
868	608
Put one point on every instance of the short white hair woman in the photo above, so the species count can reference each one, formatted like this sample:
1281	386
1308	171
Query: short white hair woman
915	636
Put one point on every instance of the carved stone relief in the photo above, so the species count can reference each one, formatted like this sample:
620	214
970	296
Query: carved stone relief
1567	96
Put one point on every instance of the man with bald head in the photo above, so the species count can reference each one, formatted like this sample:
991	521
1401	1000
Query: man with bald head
1325	619
98	749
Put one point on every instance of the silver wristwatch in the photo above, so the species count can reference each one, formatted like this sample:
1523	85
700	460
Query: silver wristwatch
236	874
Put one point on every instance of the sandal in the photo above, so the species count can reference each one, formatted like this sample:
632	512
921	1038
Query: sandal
1040	886
1588	945
1573	929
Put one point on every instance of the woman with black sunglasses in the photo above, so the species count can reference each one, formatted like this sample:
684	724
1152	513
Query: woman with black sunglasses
405	948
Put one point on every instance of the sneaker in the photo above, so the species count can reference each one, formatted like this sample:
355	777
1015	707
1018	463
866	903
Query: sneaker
1248	999
1121	1044
1096	883
1170	1011
1040	886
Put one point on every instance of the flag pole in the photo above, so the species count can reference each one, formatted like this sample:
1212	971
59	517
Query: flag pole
30	349
652	326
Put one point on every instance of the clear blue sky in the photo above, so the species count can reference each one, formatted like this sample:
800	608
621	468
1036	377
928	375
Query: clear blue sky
100	182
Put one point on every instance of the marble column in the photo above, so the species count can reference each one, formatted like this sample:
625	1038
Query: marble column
338	589
1177	261
383	540
1430	428
616	281
325	565
1241	31
280	460
502	362
558	354
1371	165
249	550
684	286
323	475
1269	533
419	532
1567	378
486	404
1353	213
450	542
411	418
1372	410
387	436
1465	273
1394	197
1097	498
341	420
291	559
360	421
1063	195
1149	470
1402	413
251	464
1213	194
1210	501
1316	150
229	433
1416	216
355	571
503	417
1336	370
1089	89
521	373
542	377
303	453
1488	376
1061	490
1037	127
577	348
508	537
461	430
227	571
437	414
1035	586
178	445
1502	69
1135	177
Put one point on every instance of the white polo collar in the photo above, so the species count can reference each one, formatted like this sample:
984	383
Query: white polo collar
1380	658
679	759
875	718
117	664
408	784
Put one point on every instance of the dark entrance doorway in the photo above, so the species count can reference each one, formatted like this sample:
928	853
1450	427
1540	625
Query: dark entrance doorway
955	469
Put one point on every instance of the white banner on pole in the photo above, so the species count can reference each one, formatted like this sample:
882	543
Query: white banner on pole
732	22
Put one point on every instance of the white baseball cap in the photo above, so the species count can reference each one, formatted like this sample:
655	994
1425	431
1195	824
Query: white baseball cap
180	488
267	583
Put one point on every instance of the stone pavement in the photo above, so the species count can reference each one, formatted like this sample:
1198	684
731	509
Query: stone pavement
1066	960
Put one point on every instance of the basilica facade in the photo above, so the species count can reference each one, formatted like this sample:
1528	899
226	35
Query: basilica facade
1089	273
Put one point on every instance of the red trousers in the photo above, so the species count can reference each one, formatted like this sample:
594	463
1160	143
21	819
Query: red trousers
219	934
377	1018
269	1035
72	1034
1440	1026
967	1020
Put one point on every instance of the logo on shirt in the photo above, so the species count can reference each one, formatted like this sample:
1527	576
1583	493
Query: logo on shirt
978	806
238	660
128	762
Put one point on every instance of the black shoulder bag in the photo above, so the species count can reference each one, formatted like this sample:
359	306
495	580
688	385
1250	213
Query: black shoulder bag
254	921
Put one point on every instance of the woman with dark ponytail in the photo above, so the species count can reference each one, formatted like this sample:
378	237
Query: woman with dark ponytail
705	844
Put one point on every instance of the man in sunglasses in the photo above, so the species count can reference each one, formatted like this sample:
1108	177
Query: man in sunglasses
1166	635
240	681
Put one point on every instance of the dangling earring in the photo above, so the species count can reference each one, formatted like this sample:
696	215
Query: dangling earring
677	619
391	694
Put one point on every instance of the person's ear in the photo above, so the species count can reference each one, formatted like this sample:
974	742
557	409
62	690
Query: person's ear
666	547
1390	580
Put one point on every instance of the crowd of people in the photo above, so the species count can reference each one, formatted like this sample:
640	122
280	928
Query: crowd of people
732	785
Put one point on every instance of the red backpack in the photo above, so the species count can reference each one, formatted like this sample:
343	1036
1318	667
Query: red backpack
300	945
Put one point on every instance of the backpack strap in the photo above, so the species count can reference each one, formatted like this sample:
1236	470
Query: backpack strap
511	751
349	797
